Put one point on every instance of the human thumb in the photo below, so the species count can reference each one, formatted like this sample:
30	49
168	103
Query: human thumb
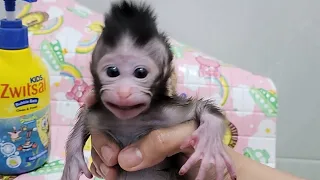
155	147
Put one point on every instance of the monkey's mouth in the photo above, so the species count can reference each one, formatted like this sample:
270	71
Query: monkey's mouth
137	106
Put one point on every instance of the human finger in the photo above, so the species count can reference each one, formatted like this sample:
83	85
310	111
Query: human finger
106	148
94	171
155	147
104	171
96	162
110	173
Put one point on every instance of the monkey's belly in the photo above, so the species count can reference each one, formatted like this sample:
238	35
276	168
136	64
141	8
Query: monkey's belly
162	171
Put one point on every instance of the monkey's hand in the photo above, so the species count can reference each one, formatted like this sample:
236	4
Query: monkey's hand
74	167
209	148
75	163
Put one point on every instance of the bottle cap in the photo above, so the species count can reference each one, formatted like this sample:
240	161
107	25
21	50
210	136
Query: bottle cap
13	34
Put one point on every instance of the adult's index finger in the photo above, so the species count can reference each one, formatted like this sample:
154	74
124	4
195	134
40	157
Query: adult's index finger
106	148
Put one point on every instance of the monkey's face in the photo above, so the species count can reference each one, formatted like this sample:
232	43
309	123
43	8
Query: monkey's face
126	82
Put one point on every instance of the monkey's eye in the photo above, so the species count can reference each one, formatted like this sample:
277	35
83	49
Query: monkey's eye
140	73
113	71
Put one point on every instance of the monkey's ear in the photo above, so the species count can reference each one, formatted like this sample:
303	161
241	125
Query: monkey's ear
166	40
169	68
172	81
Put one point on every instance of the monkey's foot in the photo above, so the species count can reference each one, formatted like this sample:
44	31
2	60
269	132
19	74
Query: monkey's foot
209	148
74	167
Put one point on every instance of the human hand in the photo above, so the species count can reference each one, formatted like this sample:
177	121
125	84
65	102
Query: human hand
106	154
147	152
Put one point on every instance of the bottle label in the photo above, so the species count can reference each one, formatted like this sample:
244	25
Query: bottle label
24	124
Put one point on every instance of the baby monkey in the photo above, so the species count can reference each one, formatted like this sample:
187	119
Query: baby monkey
131	65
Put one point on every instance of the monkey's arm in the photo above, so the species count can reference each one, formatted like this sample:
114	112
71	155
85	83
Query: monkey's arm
207	140
75	163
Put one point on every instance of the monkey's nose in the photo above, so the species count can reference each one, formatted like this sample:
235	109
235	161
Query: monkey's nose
124	93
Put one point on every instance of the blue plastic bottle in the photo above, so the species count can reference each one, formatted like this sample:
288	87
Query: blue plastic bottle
24	99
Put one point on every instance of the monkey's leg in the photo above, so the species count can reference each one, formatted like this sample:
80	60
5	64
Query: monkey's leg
207	141
75	163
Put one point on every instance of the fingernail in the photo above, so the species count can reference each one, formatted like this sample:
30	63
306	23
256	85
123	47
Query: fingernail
104	170
106	153
133	156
